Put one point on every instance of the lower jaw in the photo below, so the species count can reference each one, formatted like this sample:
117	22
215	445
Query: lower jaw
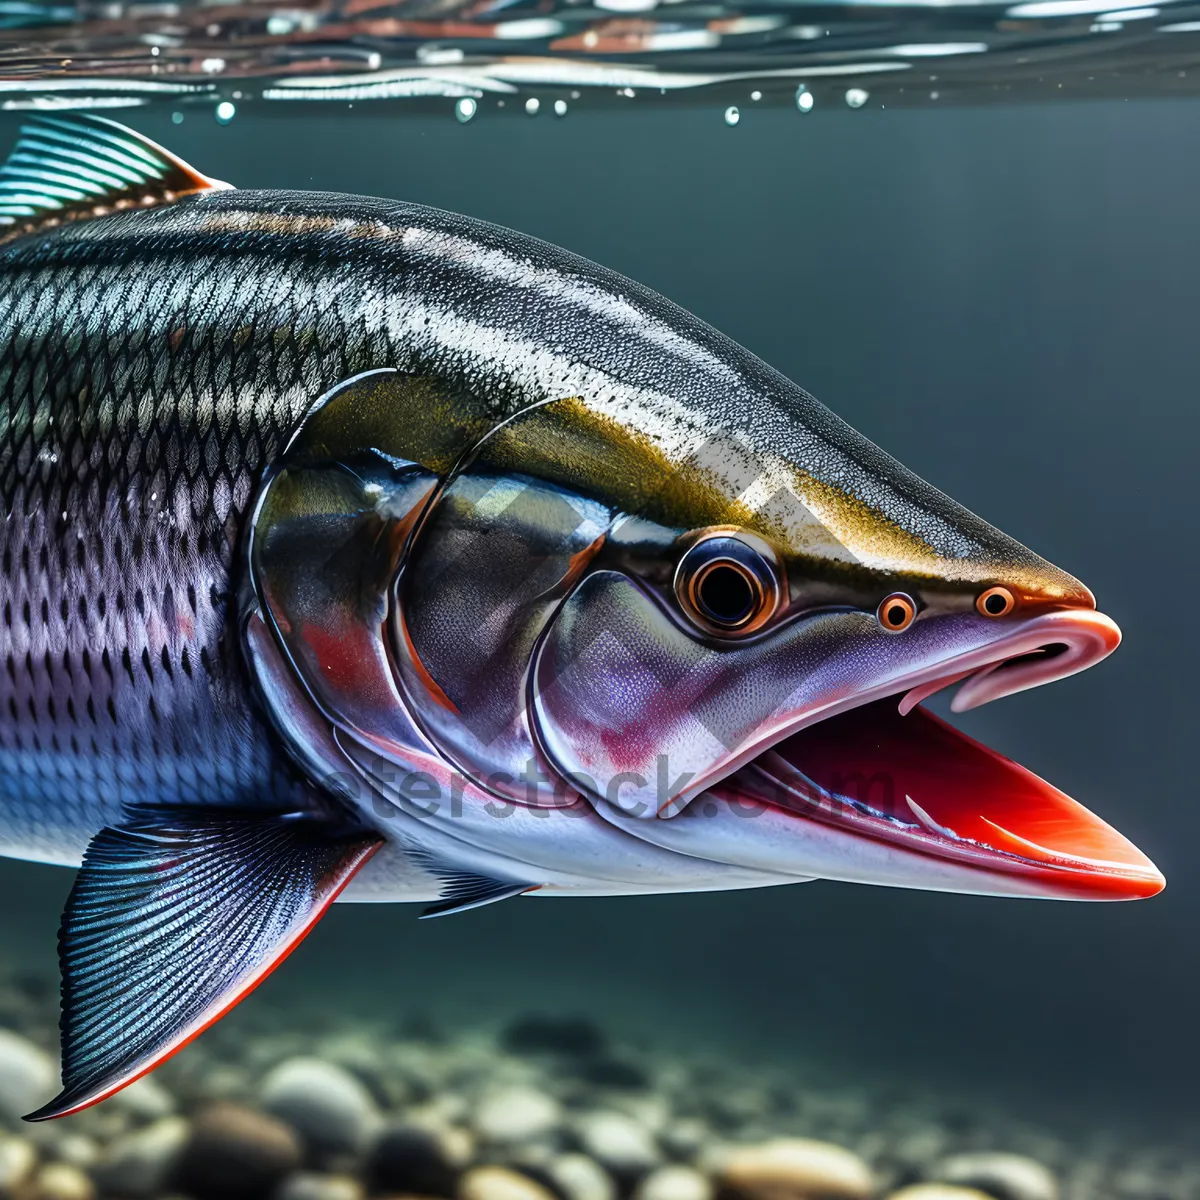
873	796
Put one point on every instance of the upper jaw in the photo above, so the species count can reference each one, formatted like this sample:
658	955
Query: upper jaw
916	664
1042	649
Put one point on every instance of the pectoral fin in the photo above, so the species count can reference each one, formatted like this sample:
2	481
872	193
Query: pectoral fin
173	919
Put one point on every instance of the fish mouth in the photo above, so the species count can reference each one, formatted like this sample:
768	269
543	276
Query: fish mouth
887	770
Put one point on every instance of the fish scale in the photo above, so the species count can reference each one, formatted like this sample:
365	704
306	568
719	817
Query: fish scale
123	682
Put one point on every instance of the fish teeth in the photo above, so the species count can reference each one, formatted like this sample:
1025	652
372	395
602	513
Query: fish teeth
929	822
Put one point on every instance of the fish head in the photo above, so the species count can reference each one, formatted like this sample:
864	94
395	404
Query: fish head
755	631
689	600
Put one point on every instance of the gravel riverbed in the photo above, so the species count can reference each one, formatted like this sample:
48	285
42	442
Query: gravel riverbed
542	1108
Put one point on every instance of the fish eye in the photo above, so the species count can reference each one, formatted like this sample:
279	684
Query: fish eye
896	612
996	602
727	584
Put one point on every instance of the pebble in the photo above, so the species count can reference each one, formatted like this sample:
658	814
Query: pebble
794	1169
686	1138
17	1161
28	1075
309	1185
516	1114
618	1142
675	1182
418	1159
499	1183
577	1177
236	1152
60	1181
921	1147
328	1106
77	1150
139	1164
1004	1176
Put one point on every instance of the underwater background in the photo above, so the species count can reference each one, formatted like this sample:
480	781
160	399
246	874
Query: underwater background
1003	297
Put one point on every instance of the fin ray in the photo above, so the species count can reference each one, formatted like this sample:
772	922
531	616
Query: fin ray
174	918
462	890
71	168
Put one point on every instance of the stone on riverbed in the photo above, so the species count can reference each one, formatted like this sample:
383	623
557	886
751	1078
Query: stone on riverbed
309	1185
618	1142
675	1182
235	1153
792	1169
1004	1176
324	1103
145	1100
139	1164
577	1177
17	1161
543	1033
59	1181
415	1158
28	1076
500	1183
511	1115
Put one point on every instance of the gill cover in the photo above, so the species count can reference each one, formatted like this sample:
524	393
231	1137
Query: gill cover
436	585
409	584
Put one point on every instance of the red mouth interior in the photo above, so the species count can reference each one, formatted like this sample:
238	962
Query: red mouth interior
915	775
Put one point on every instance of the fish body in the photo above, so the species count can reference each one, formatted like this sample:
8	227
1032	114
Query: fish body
350	544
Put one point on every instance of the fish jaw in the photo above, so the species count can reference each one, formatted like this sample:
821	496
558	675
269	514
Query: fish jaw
872	788
939	808
987	826
887	770
917	787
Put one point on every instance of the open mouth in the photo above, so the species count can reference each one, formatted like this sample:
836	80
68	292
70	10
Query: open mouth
890	771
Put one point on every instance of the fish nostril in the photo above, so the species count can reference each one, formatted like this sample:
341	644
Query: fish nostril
996	602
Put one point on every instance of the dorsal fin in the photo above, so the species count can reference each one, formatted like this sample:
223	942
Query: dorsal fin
71	168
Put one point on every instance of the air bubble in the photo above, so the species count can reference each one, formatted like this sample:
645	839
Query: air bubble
225	112
756	96
857	97
465	109
732	116
804	99
560	108
177	118
532	105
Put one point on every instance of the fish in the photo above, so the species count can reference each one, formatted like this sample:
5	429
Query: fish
355	550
